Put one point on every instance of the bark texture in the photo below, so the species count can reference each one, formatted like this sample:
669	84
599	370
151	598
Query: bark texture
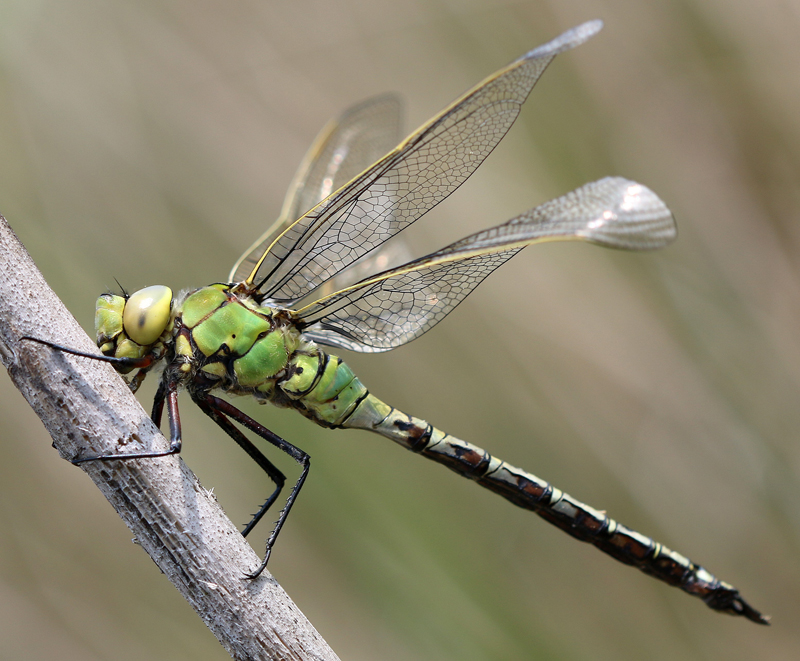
87	408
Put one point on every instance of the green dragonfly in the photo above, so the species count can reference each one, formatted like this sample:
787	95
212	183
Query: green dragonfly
299	286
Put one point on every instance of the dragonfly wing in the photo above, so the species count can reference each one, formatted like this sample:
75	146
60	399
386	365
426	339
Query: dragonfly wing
397	306
345	147
409	181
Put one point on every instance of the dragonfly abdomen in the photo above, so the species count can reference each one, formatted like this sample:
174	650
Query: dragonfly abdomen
530	492
322	386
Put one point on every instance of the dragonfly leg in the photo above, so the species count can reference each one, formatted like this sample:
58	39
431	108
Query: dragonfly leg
255	454
166	392
158	403
144	362
219	406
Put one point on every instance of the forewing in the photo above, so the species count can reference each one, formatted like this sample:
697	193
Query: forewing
409	181
397	306
347	146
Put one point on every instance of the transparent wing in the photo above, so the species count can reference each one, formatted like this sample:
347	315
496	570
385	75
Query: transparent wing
346	146
390	254
397	306
409	181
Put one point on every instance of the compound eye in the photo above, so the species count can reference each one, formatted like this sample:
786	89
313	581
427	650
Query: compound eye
146	314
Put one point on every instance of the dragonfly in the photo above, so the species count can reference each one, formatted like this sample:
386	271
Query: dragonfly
302	285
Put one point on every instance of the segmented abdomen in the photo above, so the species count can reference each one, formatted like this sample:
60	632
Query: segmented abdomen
530	492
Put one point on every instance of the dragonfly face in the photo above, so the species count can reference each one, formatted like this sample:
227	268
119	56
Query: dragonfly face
259	333
134	327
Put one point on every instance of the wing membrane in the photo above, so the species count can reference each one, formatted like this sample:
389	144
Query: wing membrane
409	181
344	148
397	306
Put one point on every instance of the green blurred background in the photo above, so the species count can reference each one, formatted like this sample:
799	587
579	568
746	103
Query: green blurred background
152	142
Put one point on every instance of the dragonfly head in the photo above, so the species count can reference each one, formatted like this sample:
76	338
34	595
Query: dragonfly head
133	326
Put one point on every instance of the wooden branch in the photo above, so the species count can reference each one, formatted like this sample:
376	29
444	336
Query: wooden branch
88	409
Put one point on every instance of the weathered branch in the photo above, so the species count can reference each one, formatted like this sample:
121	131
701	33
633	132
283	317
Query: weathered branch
88	409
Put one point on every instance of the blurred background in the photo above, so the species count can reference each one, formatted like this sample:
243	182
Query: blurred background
152	143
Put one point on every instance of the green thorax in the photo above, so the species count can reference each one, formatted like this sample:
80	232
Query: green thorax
233	340
253	349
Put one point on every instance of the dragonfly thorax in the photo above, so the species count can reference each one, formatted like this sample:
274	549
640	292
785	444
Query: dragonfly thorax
233	338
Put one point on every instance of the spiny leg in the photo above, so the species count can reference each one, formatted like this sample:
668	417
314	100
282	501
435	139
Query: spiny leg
255	454
166	391
158	403
221	406
143	364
